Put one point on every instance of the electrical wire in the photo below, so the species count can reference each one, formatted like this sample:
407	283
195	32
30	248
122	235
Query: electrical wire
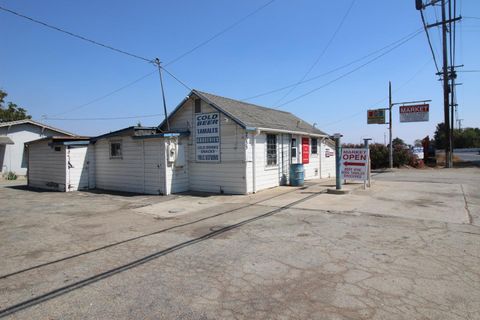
402	86
342	21
76	35
103	96
109	118
429	41
218	34
349	72
332	70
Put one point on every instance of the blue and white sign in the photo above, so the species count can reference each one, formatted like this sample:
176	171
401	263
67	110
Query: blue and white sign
207	137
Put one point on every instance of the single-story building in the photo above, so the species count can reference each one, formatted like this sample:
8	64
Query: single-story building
209	144
13	135
60	163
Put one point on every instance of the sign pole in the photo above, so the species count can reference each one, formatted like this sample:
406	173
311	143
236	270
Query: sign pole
338	158
390	105
365	141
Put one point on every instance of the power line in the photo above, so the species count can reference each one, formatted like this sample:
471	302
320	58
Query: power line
349	72
218	34
104	96
76	35
109	118
429	41
321	54
332	70
403	85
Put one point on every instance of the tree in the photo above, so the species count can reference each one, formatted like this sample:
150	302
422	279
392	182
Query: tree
398	142
11	112
462	138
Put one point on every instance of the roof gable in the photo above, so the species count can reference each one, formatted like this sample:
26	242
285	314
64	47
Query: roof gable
35	123
250	115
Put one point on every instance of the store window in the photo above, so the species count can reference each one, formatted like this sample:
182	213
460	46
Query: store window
314	145
115	149
271	150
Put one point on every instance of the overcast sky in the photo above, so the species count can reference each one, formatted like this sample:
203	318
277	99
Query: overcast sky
51	73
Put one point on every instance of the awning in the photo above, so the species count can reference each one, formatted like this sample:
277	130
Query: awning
5	140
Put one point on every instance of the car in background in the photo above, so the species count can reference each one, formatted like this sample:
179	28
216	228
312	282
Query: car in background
418	152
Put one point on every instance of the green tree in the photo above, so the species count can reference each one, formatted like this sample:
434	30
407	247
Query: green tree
11	112
398	142
462	138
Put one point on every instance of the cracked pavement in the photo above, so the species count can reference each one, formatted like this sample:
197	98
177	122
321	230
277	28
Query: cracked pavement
406	249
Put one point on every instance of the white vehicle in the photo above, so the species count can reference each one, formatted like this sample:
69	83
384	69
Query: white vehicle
418	151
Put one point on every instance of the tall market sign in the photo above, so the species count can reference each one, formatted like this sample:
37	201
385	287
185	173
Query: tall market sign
207	137
354	163
376	116
414	113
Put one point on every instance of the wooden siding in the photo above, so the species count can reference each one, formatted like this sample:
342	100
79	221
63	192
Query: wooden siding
46	167
77	168
120	174
154	154
226	176
327	166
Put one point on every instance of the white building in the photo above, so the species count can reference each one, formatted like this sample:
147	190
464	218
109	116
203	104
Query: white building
61	163
210	144
13	135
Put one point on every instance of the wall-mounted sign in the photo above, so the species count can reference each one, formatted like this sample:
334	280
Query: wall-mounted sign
305	150
329	152
354	163
414	113
207	137
376	116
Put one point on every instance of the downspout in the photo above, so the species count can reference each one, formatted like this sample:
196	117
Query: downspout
320	156
254	171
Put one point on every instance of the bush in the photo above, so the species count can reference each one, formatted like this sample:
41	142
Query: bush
11	176
401	156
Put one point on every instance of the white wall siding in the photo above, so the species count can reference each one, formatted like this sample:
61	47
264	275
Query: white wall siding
265	176
77	168
226	176
178	176
120	174
154	168
13	157
312	168
91	167
327	165
47	167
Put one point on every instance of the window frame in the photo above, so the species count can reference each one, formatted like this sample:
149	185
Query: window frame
293	147
197	105
268	153
316	146
119	142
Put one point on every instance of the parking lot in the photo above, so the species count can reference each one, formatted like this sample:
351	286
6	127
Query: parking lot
408	248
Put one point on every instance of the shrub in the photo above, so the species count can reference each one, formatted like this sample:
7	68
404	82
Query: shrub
11	176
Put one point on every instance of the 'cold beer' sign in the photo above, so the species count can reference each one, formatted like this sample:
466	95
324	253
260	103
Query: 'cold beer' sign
207	137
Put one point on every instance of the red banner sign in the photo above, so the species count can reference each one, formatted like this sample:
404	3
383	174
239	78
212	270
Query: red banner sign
305	150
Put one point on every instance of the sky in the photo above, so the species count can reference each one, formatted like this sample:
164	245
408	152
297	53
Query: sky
54	75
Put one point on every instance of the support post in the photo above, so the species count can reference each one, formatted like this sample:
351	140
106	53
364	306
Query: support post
158	63
338	159
446	110
365	142
390	105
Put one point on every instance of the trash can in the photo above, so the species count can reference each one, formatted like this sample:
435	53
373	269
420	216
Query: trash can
297	174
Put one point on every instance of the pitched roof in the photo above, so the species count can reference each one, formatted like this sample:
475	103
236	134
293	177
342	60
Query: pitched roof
254	116
35	123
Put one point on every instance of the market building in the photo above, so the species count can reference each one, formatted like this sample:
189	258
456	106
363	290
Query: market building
208	144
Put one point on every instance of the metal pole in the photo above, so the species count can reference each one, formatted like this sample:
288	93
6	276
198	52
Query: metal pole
448	146
390	105
157	62
365	142
338	158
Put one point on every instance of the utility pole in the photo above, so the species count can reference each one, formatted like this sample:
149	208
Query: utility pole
390	105
448	142
446	74
158	63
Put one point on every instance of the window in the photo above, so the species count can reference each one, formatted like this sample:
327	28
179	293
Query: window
294	148
115	149
198	106
314	145
58	148
271	150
